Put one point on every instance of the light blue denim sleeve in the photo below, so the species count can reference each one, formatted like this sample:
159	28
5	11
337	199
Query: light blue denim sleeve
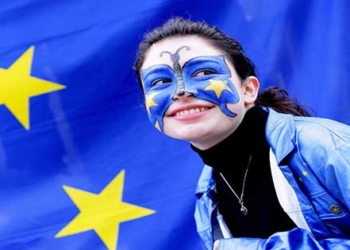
296	239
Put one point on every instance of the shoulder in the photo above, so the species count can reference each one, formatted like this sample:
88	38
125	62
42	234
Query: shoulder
309	129
314	131
285	132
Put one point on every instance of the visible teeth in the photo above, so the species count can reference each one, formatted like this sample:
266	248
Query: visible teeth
190	111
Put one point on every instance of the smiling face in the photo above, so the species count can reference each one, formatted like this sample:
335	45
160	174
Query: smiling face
193	92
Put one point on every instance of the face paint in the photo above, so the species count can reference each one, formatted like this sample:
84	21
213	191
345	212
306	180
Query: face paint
175	58
206	78
159	88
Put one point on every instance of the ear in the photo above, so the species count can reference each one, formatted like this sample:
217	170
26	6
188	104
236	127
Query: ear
250	90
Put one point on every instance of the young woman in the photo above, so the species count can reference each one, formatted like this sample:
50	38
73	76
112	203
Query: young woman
273	178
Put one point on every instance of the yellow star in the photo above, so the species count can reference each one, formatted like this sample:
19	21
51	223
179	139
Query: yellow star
17	86
305	173
218	87
149	101
102	212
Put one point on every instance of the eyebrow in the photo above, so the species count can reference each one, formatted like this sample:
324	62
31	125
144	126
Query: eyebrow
158	68
218	59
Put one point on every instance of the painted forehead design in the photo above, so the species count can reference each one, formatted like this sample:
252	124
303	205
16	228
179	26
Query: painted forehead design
215	87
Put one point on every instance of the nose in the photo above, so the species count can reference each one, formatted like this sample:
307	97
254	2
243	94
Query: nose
180	86
181	94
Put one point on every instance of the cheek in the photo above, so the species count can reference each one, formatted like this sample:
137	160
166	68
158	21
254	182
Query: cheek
157	104
237	108
236	86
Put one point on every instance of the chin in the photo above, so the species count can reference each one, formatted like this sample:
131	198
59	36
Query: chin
190	135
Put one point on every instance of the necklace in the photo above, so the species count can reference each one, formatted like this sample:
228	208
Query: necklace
244	210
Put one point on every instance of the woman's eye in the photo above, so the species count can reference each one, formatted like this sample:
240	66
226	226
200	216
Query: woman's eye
203	72
160	82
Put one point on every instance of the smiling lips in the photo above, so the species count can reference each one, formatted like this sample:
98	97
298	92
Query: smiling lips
190	111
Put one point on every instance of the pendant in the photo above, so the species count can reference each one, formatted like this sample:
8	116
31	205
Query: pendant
244	210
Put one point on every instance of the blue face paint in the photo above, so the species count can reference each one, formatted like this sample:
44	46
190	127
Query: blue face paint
206	78
159	85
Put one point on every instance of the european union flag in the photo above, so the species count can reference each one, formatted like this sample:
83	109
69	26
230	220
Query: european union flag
81	167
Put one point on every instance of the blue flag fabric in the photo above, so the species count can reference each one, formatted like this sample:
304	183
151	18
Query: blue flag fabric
81	167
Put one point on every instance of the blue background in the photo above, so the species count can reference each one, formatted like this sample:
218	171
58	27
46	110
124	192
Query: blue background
85	135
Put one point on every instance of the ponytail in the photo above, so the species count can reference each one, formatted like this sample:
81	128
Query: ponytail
279	100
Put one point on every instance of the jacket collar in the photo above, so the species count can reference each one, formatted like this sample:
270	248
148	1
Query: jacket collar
206	181
280	134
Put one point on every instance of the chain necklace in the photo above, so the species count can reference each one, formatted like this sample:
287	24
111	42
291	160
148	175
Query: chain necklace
244	210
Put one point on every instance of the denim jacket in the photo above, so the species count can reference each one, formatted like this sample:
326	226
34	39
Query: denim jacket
310	165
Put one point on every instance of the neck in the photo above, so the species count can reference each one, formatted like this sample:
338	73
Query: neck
244	141
204	143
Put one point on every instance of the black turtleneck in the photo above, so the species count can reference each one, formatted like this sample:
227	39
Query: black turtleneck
230	157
